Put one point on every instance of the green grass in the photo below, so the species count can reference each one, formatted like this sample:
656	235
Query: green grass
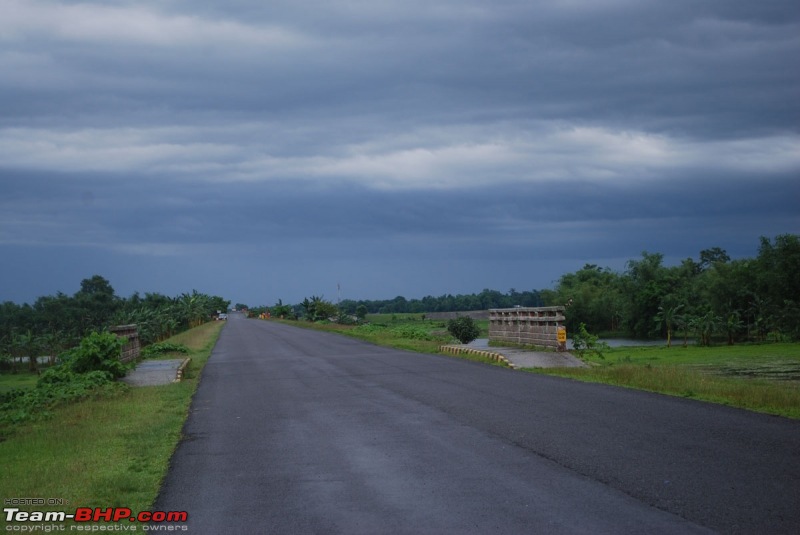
423	337
400	331
109	451
703	356
763	378
395	318
417	319
21	379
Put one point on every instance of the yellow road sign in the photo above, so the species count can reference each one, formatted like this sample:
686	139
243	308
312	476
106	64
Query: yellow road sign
562	334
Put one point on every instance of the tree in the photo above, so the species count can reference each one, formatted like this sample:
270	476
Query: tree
777	277
705	326
318	309
715	255
97	303
282	311
594	296
761	311
464	329
733	324
194	308
645	286
326	310
56	323
58	314
309	307
98	286
27	345
683	322
666	316
726	287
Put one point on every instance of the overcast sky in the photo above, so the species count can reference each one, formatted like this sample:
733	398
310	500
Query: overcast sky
272	150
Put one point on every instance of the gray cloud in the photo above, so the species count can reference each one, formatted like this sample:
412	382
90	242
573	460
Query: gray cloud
407	145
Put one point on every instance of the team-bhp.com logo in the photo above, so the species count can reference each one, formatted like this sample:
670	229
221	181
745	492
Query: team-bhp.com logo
88	519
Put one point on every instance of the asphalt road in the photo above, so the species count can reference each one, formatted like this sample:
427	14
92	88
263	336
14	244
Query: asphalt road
297	431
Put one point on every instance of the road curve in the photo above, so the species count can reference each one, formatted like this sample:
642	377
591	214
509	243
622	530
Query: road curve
297	431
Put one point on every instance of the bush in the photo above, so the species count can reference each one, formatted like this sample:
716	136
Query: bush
583	342
463	329
85	371
56	375
97	352
56	386
161	348
11	395
346	319
411	332
370	328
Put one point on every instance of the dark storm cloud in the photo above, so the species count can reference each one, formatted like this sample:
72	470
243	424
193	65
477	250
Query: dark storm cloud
604	61
459	143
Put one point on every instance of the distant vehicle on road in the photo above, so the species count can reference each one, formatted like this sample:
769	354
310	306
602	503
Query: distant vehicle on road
222	316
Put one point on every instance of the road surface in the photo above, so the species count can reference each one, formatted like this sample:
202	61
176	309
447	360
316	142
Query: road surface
297	431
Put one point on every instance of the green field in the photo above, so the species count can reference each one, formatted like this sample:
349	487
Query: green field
758	377
21	379
105	452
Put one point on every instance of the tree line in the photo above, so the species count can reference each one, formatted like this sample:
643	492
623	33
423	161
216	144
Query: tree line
317	308
55	323
708	297
484	300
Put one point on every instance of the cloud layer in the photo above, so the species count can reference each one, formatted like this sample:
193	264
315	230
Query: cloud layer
405	147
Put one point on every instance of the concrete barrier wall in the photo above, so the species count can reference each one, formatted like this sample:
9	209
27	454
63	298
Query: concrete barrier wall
464	350
535	326
130	351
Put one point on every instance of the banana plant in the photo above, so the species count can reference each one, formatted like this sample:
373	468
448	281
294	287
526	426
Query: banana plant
666	316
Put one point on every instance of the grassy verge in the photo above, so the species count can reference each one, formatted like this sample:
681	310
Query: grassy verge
104	452
436	326
12	381
763	378
400	331
422	337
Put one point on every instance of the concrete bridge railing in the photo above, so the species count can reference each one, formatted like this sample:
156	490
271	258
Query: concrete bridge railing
130	351
532	326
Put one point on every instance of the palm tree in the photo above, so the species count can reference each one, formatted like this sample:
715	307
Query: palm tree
733	324
194	307
761	312
706	325
667	316
683	322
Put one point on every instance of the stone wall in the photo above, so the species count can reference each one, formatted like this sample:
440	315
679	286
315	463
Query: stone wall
130	351
537	326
